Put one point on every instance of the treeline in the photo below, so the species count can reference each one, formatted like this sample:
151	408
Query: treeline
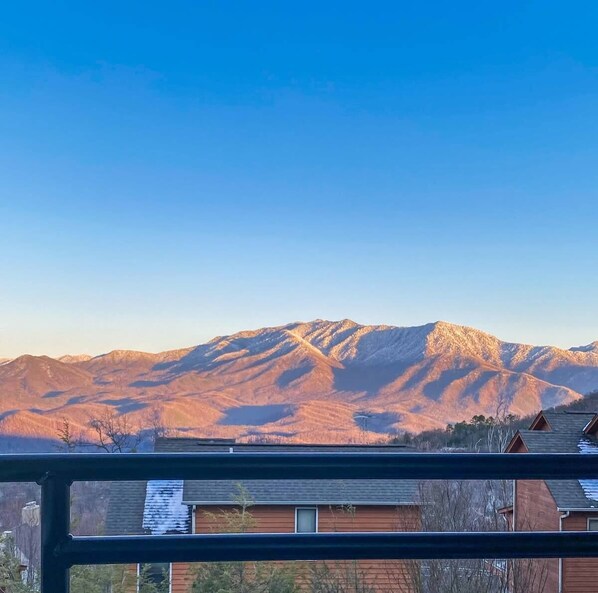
589	403
484	433
481	433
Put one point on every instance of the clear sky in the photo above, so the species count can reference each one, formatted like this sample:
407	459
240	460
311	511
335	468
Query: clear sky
171	171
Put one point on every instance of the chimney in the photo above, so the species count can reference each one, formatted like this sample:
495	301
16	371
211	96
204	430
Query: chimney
30	514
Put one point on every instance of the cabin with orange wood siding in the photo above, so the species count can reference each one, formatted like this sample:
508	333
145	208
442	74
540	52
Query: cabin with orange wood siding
558	505
164	507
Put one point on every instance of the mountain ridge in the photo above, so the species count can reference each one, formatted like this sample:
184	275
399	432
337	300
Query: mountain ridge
300	381
445	325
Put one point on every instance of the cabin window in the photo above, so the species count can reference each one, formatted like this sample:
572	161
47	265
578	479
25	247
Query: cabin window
306	520
155	575
592	524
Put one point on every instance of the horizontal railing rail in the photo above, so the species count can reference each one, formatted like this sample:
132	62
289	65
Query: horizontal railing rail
328	546
61	550
308	466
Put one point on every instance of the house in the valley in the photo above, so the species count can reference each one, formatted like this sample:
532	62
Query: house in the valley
558	505
277	506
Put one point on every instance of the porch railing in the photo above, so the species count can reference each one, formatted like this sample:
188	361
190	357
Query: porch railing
60	550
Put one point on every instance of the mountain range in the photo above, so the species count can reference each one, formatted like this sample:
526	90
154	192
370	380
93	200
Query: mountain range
321	381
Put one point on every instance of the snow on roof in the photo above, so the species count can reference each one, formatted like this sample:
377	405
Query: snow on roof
590	487
164	511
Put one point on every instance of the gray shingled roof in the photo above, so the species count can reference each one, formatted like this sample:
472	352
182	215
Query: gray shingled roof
125	508
544	441
565	421
129	503
333	492
564	437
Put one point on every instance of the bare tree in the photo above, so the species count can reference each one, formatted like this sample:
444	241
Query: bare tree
114	433
469	506
457	506
529	575
155	423
502	427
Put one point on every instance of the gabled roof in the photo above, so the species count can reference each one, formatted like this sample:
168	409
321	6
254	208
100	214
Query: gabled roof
564	434
540	422
155	506
568	421
550	442
279	492
285	492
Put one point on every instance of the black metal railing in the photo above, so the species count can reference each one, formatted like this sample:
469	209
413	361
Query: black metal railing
60	550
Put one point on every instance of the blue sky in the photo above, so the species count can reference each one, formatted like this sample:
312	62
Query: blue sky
171	172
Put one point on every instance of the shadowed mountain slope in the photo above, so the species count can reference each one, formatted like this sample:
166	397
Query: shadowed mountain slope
322	380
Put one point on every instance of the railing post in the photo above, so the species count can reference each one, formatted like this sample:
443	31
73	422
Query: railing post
55	527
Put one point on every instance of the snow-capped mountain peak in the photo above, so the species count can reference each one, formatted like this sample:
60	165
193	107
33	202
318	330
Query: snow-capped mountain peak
302	380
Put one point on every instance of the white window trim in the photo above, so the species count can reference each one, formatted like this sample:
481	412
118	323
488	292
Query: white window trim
588	523
314	508
169	575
